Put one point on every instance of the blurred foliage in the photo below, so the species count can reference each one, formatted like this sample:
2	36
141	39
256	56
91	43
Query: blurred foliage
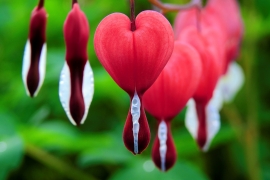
38	142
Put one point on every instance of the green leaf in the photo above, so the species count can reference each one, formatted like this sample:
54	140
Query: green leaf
145	169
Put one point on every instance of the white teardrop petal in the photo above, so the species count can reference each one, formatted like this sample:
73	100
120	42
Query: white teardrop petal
135	113
217	99
212	120
191	118
26	64
64	91
88	88
232	81
162	136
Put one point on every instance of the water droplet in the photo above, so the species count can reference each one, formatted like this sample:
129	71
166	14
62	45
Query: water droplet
148	166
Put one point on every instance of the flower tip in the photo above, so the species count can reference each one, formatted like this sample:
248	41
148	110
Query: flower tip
201	141
139	145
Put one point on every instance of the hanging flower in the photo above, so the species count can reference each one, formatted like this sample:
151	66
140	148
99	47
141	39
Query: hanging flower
228	13
168	96
34	60
134	52
76	86
211	71
221	37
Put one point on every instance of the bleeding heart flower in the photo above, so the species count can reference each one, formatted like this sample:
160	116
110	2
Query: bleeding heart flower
203	121
76	86
228	13
211	71
167	97
227	87
134	54
34	60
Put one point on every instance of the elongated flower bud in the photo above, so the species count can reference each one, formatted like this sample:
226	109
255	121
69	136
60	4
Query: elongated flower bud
76	81
34	61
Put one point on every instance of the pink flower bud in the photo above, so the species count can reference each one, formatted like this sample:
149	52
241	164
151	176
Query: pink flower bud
34	61
76	82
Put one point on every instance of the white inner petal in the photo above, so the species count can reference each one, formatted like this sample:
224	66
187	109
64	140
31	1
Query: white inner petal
26	64
135	112
88	88
232	82
162	136
191	118
64	91
212	120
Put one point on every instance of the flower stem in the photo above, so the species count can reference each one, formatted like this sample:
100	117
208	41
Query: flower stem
40	4
132	15
74	1
198	13
173	7
53	162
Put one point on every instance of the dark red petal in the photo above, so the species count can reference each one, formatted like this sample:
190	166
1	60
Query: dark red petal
171	154
144	132
202	126
76	103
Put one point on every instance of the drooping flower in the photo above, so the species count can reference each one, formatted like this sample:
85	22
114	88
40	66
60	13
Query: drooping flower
34	60
76	85
203	121
168	96
221	27
211	71
134	53
228	13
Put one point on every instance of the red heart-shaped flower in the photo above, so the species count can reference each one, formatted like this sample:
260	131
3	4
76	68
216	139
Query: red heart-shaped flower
134	59
167	97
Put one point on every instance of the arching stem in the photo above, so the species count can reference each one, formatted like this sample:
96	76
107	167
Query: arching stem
40	4
132	15
173	7
73	2
199	19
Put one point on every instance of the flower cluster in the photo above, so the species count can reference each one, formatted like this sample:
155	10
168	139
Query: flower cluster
162	69
201	72
76	85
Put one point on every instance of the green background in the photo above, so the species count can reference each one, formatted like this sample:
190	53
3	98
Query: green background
37	141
